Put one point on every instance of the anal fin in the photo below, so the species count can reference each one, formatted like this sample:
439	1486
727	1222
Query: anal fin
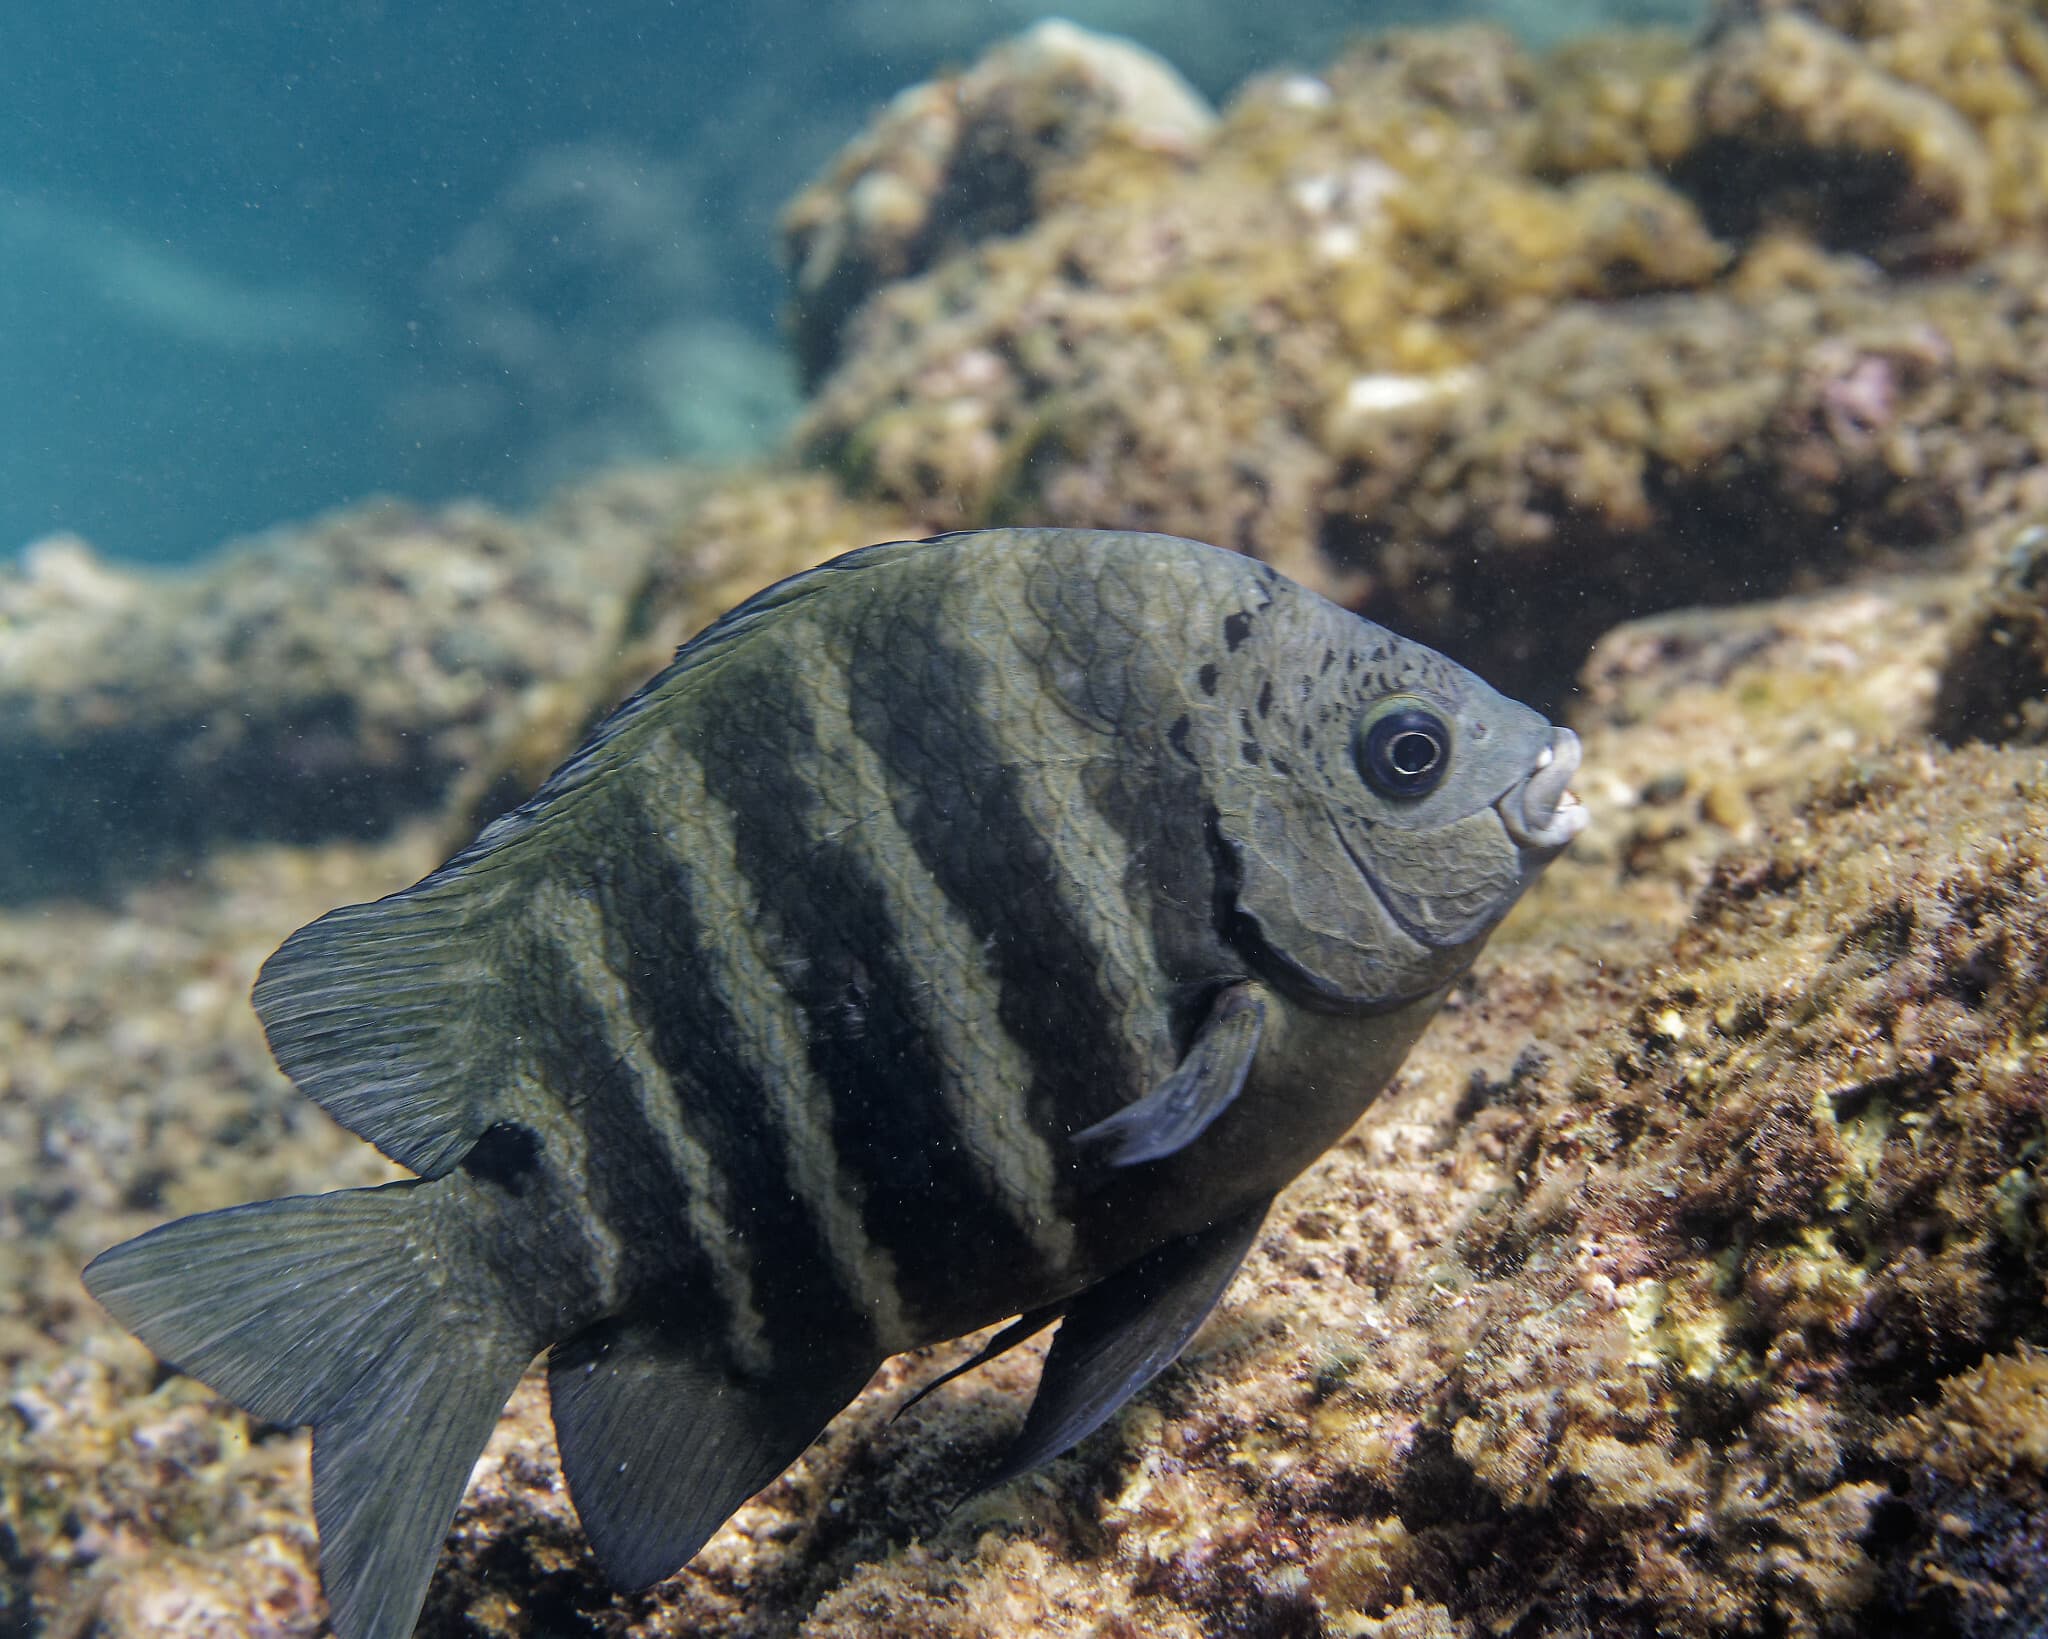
1124	1331
661	1443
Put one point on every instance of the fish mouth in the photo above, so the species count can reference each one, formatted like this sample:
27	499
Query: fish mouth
1540	812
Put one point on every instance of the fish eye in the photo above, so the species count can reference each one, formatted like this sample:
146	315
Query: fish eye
1404	752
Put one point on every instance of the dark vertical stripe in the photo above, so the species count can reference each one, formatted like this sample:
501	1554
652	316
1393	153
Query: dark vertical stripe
650	916
645	1208
925	1202
915	695
1159	808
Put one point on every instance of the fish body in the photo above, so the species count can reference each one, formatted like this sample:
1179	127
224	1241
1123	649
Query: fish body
967	929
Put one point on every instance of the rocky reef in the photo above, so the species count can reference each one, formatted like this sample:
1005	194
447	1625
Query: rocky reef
1449	327
1692	1279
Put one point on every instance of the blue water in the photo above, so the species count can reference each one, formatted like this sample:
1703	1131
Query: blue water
262	257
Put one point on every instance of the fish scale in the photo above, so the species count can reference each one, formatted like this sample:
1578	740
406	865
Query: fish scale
1127	970
974	928
957	775
682	1011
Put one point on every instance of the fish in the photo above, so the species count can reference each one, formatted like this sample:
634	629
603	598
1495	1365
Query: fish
968	930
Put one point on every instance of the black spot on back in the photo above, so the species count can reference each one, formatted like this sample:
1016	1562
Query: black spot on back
1236	628
505	1154
1207	677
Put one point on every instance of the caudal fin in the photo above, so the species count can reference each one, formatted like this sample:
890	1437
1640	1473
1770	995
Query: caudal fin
343	1312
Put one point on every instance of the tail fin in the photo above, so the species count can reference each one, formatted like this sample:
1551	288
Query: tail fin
343	1312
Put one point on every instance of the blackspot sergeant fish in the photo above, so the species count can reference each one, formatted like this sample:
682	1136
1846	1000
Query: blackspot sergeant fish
970	928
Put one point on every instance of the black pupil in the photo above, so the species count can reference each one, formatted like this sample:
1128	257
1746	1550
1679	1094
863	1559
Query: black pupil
1412	753
1405	753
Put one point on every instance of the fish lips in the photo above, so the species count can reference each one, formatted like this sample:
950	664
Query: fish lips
1540	810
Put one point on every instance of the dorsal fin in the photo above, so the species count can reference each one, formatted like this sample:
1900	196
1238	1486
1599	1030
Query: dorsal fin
713	643
385	1014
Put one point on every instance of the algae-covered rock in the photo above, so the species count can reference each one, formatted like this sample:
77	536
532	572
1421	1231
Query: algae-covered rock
1691	1280
1795	123
1638	1310
1978	1459
1697	724
323	680
1503	349
378	664
960	159
1165	347
1465	336
1704	449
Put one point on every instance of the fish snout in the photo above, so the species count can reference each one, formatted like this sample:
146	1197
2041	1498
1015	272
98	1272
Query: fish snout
1541	812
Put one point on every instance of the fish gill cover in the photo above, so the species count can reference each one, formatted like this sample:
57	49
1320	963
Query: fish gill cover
1689	1277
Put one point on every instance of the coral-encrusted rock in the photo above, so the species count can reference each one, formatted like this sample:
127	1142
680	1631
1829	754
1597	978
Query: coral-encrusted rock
960	159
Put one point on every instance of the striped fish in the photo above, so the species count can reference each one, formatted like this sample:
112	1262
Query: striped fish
974	928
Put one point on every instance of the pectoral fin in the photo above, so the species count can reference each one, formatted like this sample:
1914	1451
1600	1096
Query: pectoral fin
1123	1332
1177	1112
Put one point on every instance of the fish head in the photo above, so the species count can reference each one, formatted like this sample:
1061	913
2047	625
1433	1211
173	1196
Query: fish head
1381	808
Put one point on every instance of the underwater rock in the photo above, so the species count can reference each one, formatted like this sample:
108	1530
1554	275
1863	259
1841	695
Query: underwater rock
335	678
1994	682
1452	322
1163	348
1700	449
1687	1281
978	154
1796	125
1692	1279
1978	1460
1697	723
1851	124
318	682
